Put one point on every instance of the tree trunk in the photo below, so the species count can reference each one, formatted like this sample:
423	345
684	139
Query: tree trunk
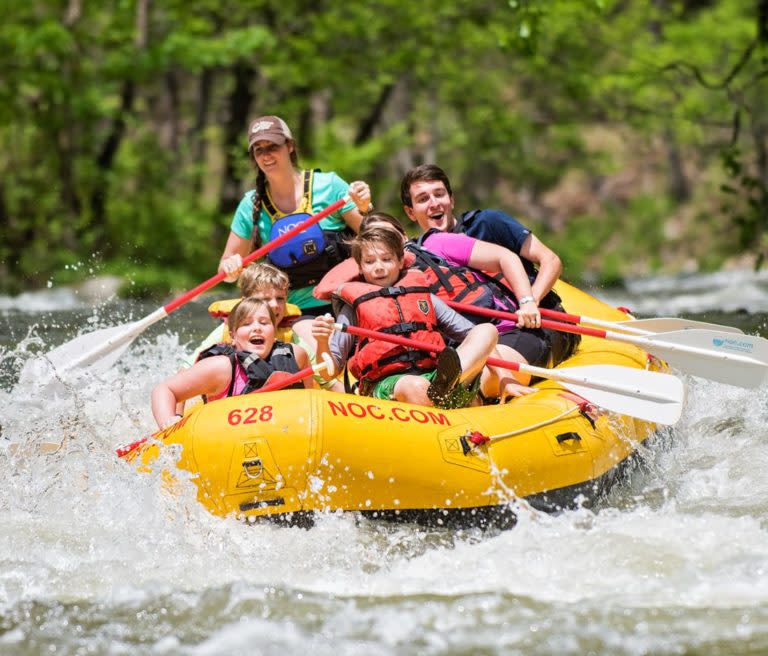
106	157
369	124
201	120
239	104
172	122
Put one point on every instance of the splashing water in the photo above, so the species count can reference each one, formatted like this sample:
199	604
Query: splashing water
97	558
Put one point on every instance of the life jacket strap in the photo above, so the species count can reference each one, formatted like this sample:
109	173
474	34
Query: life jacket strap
274	213
409	357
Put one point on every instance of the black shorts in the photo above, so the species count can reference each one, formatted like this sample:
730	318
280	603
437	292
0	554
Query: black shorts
533	345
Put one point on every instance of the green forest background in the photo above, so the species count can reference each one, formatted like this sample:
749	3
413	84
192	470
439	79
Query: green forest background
631	135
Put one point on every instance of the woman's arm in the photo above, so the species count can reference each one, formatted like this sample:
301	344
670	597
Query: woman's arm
360	194
231	261
497	259
208	376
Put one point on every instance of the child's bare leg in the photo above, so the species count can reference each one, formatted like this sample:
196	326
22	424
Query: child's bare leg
475	350
505	383
412	389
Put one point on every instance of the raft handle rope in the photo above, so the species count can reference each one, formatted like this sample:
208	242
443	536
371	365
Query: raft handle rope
475	438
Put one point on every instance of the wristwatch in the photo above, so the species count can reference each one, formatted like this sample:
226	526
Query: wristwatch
525	299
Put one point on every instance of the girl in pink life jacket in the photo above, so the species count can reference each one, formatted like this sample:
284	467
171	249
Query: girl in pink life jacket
392	299
252	327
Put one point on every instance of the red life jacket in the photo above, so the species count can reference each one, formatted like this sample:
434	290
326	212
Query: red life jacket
405	310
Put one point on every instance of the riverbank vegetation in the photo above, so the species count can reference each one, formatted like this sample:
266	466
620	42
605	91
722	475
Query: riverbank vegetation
631	135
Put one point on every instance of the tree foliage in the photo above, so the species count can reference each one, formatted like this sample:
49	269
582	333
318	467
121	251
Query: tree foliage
620	130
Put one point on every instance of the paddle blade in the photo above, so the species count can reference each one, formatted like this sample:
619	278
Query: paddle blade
669	324
647	395
97	351
740	360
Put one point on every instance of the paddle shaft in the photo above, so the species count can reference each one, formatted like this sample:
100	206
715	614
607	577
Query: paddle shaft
648	344
511	316
644	327
260	252
123	338
575	318
292	378
560	375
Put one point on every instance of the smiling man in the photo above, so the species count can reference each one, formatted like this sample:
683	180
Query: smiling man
428	200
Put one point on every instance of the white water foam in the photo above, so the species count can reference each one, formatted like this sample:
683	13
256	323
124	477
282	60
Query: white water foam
675	561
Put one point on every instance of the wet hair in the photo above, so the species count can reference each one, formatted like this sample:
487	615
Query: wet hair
381	217
423	173
261	190
389	238
244	309
261	275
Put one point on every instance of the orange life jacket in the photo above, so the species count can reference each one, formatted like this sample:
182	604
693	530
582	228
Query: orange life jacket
405	310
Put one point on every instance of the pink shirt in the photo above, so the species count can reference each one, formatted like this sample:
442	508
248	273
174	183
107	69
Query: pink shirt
456	249
241	380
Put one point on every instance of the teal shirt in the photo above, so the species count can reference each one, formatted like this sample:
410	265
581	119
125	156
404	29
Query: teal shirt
327	188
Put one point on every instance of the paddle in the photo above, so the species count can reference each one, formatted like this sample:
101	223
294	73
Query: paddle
638	393
282	379
100	349
278	380
740	360
641	326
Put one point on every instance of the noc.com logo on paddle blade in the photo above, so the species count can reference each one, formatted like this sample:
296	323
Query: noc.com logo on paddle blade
733	345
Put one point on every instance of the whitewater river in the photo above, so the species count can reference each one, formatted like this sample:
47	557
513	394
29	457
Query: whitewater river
97	559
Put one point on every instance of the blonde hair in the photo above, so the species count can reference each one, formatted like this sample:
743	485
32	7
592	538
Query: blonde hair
259	276
244	309
387	237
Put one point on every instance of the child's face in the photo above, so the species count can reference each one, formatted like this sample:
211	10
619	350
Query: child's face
380	266
256	334
275	297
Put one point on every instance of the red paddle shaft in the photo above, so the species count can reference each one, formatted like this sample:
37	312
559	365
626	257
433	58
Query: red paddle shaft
266	248
554	325
413	343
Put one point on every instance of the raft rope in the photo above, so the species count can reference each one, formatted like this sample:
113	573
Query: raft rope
476	438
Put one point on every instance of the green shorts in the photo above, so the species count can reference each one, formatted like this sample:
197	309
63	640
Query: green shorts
385	388
459	397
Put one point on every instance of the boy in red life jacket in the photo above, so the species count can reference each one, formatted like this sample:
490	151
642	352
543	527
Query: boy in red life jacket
397	301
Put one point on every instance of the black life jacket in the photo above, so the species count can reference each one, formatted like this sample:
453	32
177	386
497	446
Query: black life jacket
257	370
458	283
306	257
551	300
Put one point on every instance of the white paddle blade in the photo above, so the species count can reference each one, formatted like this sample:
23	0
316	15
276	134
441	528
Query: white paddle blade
669	324
97	351
740	360
647	395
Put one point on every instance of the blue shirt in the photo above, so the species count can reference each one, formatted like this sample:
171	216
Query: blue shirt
496	227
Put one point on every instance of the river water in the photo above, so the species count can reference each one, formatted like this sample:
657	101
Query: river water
97	559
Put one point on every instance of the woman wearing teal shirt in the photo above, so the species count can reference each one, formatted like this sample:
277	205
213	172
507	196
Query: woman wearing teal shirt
282	189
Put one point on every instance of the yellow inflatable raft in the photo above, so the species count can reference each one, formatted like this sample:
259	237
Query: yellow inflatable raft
287	454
